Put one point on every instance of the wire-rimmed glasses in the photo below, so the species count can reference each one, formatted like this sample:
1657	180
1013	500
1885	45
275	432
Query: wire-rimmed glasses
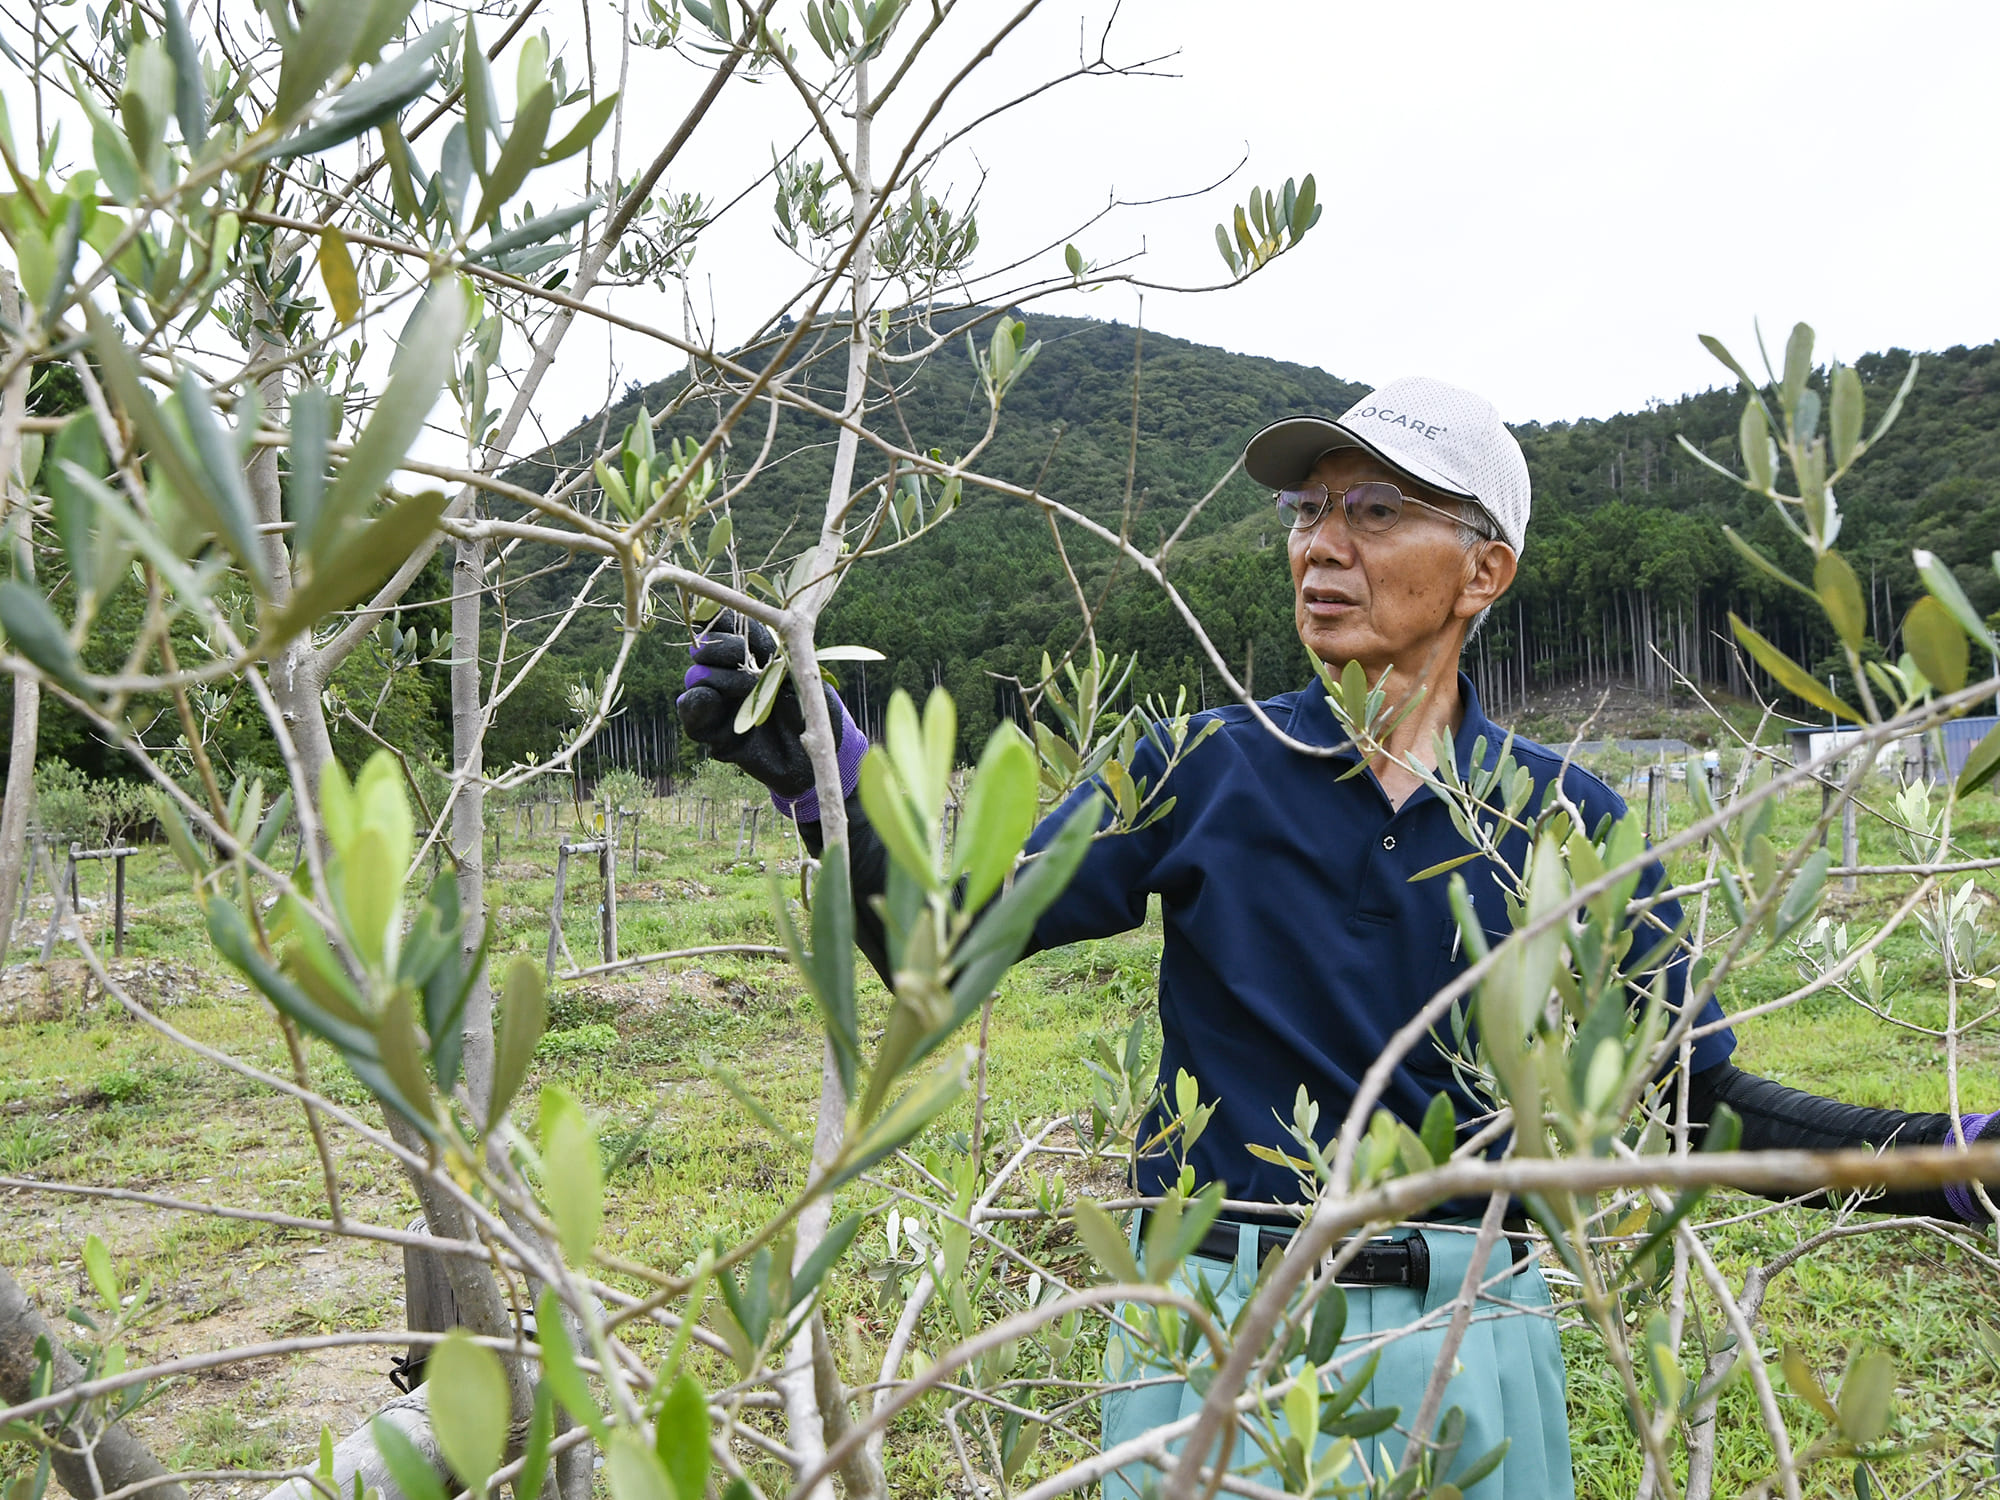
1374	505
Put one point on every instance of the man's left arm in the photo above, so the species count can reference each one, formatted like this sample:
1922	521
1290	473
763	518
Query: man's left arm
1778	1118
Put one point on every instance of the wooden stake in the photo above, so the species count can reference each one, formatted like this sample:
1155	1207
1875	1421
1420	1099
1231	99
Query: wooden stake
607	867
555	909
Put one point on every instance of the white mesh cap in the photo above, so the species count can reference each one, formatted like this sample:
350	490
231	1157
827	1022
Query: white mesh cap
1437	434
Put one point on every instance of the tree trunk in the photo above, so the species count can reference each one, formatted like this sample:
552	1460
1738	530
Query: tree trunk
20	795
430	1306
296	682
296	677
468	818
813	1395
482	1305
356	1454
99	1458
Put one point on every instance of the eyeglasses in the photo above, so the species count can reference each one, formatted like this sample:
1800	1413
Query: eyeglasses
1374	506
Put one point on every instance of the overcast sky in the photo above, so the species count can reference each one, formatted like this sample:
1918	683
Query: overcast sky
1545	202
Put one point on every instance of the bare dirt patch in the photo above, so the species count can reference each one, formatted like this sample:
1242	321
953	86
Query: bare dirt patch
38	992
1086	1176
258	1414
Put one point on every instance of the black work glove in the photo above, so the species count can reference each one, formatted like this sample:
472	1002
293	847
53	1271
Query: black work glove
774	751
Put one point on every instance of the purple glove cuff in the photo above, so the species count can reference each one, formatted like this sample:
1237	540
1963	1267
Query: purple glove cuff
1959	1194
852	746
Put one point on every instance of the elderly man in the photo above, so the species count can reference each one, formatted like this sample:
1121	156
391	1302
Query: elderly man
1295	941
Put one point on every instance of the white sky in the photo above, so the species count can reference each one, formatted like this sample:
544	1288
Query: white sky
1545	202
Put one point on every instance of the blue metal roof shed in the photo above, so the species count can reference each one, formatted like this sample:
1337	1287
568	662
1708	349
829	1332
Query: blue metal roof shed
1960	735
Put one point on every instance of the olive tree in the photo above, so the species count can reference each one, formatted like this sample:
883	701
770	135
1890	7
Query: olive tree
265	187
259	195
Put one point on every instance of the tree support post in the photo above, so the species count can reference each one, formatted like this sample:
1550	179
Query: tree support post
607	866
555	908
65	893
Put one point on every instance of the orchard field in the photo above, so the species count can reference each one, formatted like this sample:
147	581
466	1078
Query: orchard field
660	1056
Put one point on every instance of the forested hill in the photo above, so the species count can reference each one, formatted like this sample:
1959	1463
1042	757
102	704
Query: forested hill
1625	549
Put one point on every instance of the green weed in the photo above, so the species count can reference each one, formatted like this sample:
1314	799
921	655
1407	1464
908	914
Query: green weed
592	1039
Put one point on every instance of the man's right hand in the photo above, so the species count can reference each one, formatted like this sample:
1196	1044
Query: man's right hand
728	658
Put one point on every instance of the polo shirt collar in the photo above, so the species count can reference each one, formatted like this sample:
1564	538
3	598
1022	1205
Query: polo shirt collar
1313	723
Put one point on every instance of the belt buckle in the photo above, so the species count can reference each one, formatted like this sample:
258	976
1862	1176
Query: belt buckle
1389	1262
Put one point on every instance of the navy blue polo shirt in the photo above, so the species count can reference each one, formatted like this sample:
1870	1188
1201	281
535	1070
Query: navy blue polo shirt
1295	942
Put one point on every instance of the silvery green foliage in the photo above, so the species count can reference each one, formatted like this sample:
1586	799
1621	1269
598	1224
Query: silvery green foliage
366	168
243	208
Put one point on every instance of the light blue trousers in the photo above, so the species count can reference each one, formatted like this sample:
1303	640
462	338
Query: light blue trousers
1509	1381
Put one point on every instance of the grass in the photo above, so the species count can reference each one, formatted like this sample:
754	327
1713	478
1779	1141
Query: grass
91	1096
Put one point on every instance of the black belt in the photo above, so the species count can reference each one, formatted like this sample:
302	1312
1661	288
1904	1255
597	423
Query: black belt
1405	1262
